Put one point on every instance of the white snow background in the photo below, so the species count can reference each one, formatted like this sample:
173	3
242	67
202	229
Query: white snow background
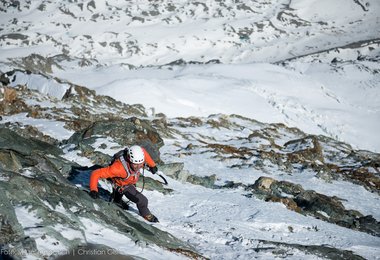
316	97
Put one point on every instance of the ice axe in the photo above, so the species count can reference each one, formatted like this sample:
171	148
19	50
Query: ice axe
163	178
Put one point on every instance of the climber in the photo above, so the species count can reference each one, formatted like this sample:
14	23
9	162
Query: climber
124	172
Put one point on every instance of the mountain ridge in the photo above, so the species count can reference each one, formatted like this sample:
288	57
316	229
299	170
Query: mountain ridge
248	39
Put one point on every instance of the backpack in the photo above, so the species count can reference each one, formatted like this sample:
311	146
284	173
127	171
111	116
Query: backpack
119	154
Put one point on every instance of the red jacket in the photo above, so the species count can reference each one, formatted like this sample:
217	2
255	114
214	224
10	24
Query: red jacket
118	174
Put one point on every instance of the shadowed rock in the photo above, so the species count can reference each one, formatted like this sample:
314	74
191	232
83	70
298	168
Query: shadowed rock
282	250
329	209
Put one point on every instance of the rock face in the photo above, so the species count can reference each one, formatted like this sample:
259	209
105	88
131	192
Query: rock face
309	202
124	132
34	173
33	181
18	153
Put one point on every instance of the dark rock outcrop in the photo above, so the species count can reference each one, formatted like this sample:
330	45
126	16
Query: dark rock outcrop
125	132
329	209
278	249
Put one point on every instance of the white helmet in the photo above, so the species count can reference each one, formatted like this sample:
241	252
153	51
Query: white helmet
136	154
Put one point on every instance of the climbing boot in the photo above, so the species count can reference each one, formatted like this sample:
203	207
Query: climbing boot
151	218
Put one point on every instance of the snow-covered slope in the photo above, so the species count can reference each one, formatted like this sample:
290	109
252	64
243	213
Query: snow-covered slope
309	64
213	201
96	43
158	32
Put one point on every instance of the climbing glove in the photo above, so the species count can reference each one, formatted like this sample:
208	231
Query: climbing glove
94	194
153	170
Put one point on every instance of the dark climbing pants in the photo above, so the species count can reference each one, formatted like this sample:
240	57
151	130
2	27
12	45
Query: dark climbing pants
135	196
